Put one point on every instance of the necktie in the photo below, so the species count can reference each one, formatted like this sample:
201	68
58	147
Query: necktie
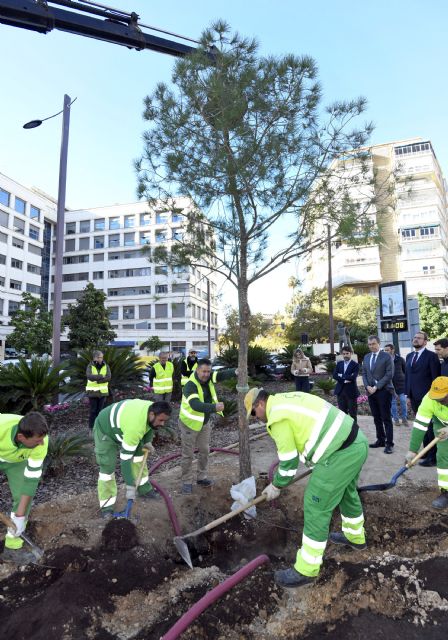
414	359
372	361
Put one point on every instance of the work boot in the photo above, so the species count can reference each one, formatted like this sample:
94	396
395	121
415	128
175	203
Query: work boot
377	444
389	448
291	578
339	538
187	489
397	422
18	556
441	502
151	495
428	462
205	482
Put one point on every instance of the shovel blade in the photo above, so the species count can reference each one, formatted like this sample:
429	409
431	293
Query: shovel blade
35	550
182	548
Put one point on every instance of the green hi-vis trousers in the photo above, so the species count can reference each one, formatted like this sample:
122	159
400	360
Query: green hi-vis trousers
442	465
106	452
14	473
333	483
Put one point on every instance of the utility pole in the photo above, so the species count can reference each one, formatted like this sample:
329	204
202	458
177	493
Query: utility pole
209	324
330	291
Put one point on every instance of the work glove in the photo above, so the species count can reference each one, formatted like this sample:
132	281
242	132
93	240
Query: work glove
409	457
150	448
271	492
442	434
20	524
130	493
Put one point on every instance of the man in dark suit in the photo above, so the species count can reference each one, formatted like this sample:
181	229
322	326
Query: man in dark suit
346	389
422	367
377	374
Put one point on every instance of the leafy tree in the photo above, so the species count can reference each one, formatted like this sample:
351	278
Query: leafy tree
248	142
152	344
28	386
88	321
33	327
432	319
258	326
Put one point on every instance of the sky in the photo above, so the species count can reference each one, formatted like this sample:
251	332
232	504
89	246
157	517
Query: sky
393	52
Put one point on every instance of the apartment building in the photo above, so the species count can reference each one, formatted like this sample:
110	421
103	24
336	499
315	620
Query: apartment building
413	245
104	246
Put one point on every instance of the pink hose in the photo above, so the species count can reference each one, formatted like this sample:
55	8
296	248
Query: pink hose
211	597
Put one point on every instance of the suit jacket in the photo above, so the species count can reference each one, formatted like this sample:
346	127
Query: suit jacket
399	374
418	378
349	388
382	374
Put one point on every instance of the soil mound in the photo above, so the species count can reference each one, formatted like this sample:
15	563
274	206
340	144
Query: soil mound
119	534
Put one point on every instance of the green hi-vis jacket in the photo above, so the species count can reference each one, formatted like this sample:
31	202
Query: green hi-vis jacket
304	427
12	453
163	381
126	423
427	411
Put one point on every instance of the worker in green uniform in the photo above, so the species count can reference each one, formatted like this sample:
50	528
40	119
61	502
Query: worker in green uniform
199	403
434	406
125	427
161	377
306	427
23	447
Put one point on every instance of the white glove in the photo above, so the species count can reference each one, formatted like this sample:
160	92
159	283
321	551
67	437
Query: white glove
409	456
20	524
130	493
442	434
150	448
271	492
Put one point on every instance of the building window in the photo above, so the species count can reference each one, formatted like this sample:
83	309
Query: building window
161	325
161	288
144	311
161	237
2	282
75	259
3	237
178	309
177	217
178	325
99	224
114	223
114	240
17	243
161	270
98	275
33	268
70	245
181	287
180	271
4	219
128	326
161	311
70	228
113	313
15	284
33	249
145	219
12	307
129	222
178	234
18	225
145	237
429	231
408	234
84	226
98	242
128	313
98	257
4	197
17	264
162	218
2	259
32	288
74	277
34	232
20	205
129	239
84	243
34	213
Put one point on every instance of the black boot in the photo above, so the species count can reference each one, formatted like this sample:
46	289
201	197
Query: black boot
291	578
339	538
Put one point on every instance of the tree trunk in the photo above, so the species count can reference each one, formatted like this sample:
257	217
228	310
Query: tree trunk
244	314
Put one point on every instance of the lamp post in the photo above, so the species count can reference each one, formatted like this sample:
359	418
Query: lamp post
330	291
57	288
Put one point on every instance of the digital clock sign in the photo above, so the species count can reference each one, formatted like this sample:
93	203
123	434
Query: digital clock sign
394	325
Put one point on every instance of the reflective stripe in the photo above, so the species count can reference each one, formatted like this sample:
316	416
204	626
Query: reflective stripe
125	456
143	481
309	558
119	415
112	416
105	477
193	417
290	455
355	532
290	472
313	543
32	474
315	433
164	379
422	418
296	409
128	447
34	463
162	389
110	501
352	520
328	437
443	471
442	483
193	395
138	458
419	427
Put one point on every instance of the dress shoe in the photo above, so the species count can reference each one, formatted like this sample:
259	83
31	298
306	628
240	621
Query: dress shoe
377	444
339	538
441	502
291	578
389	448
428	462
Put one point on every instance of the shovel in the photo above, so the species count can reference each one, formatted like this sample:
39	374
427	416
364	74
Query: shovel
35	550
180	543
127	512
393	482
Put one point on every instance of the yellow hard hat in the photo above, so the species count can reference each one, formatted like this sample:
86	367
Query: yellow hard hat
250	398
439	388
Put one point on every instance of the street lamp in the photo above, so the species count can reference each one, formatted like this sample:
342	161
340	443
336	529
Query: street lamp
57	289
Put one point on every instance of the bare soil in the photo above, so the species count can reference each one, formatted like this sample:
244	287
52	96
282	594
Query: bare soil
124	579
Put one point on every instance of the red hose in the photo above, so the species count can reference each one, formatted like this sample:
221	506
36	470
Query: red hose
211	597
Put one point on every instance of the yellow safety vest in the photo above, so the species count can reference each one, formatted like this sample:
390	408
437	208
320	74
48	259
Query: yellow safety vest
195	419
186	378
94	385
163	382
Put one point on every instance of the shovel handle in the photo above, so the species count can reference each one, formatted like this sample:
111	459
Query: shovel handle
422	453
7	521
142	467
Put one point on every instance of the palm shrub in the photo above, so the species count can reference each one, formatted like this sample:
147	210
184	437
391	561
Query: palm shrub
27	386
230	408
228	357
326	385
62	448
125	367
256	357
330	366
361	350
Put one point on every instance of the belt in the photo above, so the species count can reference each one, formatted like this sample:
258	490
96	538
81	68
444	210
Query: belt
351	436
